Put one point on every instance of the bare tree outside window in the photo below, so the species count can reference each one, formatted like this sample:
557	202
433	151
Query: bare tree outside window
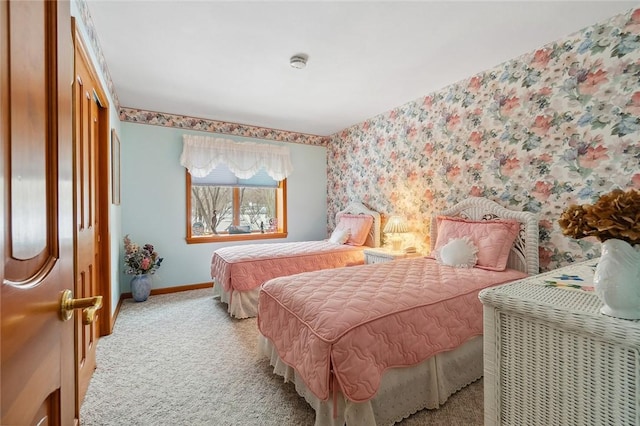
212	206
234	212
257	206
205	200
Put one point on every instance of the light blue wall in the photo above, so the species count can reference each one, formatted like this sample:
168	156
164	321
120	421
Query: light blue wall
154	200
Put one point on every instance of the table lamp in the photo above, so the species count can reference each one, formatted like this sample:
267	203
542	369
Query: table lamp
396	226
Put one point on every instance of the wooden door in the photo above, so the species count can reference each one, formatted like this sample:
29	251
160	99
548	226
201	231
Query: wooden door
87	105
36	236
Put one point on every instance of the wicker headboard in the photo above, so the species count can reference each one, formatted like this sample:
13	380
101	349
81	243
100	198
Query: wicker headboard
373	239
524	253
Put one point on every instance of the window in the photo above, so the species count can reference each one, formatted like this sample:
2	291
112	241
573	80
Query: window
222	207
235	190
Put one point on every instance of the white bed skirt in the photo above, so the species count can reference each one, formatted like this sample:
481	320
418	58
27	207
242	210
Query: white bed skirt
244	304
403	391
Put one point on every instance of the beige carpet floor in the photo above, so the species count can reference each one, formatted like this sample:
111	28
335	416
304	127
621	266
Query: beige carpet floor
179	359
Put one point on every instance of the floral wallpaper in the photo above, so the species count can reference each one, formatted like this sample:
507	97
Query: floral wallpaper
206	125
553	127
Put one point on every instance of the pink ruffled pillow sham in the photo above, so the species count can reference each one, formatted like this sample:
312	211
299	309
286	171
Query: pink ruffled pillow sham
358	225
493	238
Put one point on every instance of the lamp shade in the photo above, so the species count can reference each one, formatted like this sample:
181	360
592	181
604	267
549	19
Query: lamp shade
395	225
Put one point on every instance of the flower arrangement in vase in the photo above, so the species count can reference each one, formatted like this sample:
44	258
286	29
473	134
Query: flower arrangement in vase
614	219
142	263
615	215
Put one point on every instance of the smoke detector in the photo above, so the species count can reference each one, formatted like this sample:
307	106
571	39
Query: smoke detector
298	61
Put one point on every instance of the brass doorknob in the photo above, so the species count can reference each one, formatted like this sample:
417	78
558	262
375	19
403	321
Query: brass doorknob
89	306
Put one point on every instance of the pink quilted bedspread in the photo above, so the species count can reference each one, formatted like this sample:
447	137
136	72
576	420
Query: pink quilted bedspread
352	324
246	267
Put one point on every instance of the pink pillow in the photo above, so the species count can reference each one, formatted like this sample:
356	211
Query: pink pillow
493	238
359	226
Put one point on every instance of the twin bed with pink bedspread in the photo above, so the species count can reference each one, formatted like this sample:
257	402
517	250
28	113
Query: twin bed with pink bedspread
372	344
239	271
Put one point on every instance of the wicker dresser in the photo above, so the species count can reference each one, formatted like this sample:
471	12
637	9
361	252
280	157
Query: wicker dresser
550	357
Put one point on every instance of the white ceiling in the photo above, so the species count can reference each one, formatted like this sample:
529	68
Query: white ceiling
229	61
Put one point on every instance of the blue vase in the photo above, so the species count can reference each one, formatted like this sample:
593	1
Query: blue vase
141	287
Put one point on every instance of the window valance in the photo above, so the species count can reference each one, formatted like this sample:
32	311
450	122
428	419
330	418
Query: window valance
201	154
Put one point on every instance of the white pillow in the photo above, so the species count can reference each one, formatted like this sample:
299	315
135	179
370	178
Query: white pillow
458	252
340	236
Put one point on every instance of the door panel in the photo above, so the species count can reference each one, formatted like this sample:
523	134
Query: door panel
28	89
36	238
86	143
29	133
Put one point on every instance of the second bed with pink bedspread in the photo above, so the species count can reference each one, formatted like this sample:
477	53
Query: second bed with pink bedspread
246	267
239	271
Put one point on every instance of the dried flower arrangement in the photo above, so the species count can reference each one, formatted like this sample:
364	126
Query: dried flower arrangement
140	260
615	215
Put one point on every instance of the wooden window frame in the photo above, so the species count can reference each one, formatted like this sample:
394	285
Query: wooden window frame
281	215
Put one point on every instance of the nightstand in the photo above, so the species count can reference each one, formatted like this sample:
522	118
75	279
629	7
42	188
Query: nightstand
551	357
381	255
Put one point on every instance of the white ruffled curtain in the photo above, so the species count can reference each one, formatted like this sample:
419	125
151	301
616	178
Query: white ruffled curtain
201	154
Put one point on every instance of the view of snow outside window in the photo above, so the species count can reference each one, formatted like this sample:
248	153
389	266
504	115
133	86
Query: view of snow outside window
212	210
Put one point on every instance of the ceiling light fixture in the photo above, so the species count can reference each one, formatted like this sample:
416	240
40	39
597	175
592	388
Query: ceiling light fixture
298	61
